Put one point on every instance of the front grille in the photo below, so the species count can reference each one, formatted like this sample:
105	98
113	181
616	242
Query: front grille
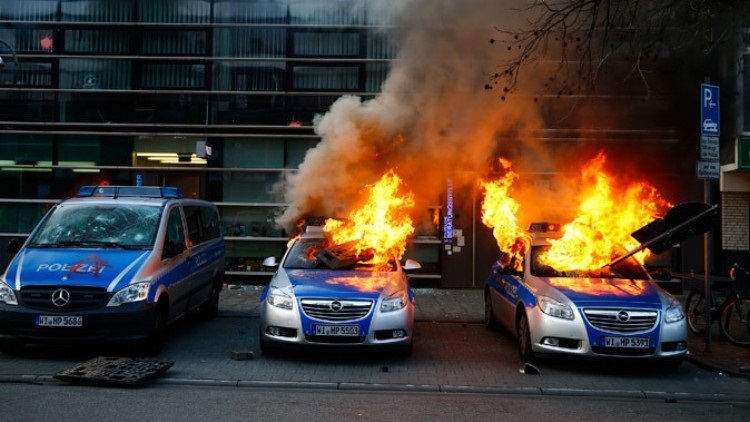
80	297
336	310
622	321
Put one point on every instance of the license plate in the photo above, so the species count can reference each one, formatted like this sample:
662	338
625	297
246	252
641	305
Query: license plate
59	321
336	330
627	342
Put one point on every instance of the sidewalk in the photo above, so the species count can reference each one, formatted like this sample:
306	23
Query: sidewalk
467	305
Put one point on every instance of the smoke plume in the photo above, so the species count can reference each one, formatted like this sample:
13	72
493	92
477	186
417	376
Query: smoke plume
434	119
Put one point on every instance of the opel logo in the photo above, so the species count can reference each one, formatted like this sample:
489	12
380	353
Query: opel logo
336	306
623	316
60	297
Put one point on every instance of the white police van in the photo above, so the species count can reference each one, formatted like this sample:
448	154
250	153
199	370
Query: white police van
114	264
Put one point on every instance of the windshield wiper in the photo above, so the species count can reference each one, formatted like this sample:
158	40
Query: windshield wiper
93	243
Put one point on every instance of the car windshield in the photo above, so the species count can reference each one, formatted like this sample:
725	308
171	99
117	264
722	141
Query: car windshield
320	253
98	225
627	268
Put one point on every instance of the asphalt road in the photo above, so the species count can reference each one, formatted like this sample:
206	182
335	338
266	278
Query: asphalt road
449	357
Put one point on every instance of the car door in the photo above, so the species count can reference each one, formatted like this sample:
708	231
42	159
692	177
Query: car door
175	259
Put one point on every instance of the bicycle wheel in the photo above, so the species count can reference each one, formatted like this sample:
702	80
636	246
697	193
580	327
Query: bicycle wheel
735	322
695	307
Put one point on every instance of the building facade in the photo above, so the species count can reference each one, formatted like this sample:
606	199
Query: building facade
218	97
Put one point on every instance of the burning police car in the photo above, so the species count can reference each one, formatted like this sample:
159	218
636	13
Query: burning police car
614	311
329	295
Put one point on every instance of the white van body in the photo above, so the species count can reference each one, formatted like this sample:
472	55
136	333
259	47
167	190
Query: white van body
114	264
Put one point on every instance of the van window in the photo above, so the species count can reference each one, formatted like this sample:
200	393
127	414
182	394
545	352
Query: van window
174	243
203	223
99	224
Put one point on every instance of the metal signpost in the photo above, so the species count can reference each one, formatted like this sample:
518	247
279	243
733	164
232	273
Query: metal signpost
708	170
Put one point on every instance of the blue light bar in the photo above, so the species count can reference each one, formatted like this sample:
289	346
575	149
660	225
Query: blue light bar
129	191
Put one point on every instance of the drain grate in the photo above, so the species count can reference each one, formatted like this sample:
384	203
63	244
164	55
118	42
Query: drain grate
114	371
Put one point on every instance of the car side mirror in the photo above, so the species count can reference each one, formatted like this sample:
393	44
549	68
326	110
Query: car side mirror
411	264
270	262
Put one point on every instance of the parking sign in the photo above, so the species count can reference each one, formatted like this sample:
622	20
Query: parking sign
710	110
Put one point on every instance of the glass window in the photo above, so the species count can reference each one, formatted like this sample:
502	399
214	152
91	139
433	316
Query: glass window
96	107
337	78
25	149
99	225
239	76
97	11
93	41
250	186
296	149
29	40
379	46
377	73
174	243
28	10
173	75
202	223
250	11
251	221
20	218
171	11
327	44
250	42
254	153
29	74
183	43
94	74
327	12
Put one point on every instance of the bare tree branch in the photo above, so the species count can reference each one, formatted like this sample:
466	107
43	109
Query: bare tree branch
590	33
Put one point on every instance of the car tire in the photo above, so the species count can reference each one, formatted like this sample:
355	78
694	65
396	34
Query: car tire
154	343
524	339
210	309
489	316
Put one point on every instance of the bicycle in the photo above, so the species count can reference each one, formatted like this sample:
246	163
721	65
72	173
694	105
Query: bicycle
733	313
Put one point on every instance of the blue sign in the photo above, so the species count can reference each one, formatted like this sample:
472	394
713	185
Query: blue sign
448	217
710	110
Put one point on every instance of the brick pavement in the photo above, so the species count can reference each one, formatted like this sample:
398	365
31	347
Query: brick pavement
466	305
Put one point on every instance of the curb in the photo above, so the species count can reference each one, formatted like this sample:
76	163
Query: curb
670	397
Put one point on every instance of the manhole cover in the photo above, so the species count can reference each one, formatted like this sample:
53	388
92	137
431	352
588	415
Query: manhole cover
118	371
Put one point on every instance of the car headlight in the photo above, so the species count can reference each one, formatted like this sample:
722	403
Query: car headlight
394	302
7	295
555	308
674	312
131	293
278	298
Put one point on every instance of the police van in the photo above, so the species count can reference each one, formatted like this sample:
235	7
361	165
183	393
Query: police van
113	264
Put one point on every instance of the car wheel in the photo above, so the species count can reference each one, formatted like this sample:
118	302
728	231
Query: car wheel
154	343
489	314
210	309
524	339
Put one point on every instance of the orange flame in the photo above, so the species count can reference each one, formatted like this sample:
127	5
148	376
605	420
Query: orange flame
606	217
499	212
381	226
604	222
